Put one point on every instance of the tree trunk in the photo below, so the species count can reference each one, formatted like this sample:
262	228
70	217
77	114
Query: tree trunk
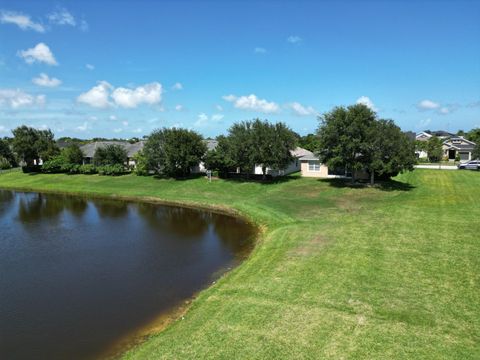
372	177
264	170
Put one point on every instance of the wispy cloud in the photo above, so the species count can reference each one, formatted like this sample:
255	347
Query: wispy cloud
61	16
46	81
301	110
23	21
90	66
177	86
260	50
294	39
16	98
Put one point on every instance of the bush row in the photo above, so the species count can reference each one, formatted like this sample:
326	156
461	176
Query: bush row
56	167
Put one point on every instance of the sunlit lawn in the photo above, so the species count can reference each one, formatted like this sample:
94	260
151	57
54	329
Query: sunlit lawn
339	272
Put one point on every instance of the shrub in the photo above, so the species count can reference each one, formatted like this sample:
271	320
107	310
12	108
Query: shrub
56	165
32	169
111	170
4	163
87	169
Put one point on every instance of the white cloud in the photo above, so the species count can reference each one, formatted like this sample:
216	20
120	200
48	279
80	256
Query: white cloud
83	127
125	123
203	119
424	123
16	98
301	110
179	107
84	25
117	130
294	39
131	98
23	21
3	129
61	17
427	105
177	86
217	117
444	110
252	103
90	66
137	130
365	100
260	50
219	107
113	117
44	80
40	53
97	96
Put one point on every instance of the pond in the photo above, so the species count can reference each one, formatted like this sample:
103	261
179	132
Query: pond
77	275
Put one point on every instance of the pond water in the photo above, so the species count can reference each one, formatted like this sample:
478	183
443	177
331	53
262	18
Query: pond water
78	274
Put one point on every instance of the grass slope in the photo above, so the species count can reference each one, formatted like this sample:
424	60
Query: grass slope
340	272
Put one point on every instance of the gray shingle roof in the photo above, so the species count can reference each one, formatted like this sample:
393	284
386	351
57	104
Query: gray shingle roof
132	149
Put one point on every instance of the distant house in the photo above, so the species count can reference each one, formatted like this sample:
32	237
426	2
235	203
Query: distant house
294	166
312	167
460	146
200	168
422	136
132	149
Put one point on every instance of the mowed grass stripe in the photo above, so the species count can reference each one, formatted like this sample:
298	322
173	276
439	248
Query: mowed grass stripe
339	272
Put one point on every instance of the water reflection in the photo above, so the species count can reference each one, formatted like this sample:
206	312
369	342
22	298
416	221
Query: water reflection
102	268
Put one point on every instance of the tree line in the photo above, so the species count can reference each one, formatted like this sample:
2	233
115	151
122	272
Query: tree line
353	138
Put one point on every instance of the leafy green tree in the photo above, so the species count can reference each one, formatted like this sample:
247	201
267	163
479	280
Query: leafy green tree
46	146
73	154
6	153
476	152
174	152
391	151
31	144
220	158
311	142
434	149
474	135
112	154
271	145
346	137
141	163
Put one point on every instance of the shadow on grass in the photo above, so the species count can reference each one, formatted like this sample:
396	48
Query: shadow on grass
384	185
241	179
268	181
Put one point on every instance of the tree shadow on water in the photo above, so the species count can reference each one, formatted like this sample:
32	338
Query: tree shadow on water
384	185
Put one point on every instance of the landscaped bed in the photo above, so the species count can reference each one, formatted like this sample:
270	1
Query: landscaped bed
338	272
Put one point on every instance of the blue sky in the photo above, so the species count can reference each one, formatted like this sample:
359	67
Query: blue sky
124	68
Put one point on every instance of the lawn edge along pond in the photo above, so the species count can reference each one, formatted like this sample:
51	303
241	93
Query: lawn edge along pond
390	271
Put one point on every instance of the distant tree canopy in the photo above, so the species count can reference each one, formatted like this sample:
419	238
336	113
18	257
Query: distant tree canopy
476	152
353	137
31	144
110	155
6	153
311	142
474	135
174	152
253	143
434	149
72	154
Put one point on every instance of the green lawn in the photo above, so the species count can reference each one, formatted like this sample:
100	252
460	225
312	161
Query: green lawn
339	272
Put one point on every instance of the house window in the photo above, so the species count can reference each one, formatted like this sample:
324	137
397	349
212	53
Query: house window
314	165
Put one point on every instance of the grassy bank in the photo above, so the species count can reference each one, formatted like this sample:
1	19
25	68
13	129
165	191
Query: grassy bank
340	272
